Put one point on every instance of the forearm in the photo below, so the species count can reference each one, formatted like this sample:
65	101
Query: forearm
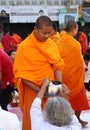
58	75
31	85
41	92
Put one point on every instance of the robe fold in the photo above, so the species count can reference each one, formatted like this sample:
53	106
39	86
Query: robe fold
55	37
73	73
83	41
34	61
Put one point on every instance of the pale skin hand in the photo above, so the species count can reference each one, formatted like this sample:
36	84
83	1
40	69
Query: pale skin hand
65	91
45	84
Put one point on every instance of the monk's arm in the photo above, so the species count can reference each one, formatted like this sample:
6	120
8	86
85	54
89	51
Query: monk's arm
58	75
31	85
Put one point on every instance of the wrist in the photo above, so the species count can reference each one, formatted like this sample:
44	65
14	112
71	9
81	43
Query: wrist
37	89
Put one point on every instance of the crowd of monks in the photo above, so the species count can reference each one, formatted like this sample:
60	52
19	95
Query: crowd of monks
58	56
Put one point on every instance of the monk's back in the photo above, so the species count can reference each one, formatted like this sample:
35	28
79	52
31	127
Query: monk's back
70	51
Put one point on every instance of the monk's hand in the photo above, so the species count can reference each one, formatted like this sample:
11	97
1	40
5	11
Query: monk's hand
65	91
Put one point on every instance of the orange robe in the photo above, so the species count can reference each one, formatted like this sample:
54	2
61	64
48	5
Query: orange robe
83	41
34	61
73	73
16	40
1	46
55	37
62	33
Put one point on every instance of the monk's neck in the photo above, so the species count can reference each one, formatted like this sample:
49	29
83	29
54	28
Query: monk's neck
69	33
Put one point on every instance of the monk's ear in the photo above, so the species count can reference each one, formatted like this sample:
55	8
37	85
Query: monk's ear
35	28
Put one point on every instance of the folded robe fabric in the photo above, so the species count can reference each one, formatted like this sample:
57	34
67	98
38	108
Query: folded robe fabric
55	37
34	61
73	73
83	42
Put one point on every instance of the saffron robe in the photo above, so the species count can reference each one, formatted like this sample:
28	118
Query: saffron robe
73	73
1	46
16	40
83	42
55	37
34	61
62	33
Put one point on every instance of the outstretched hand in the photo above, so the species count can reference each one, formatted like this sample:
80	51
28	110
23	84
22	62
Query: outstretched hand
65	91
45	82
42	93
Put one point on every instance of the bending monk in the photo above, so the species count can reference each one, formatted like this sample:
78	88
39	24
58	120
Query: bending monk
36	58
73	74
54	33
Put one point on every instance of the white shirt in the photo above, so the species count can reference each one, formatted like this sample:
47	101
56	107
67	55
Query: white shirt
38	122
87	73
8	121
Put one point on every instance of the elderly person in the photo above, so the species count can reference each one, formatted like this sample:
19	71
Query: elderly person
57	114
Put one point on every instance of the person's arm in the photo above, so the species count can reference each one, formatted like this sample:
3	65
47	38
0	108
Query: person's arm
44	85
58	75
36	113
31	85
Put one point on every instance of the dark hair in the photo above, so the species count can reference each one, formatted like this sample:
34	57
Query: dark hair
71	25
88	50
43	20
3	11
10	52
54	25
6	30
41	11
86	56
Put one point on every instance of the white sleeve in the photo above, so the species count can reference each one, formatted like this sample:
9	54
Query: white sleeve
16	123
36	114
75	125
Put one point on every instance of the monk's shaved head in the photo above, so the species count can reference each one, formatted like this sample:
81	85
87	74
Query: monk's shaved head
71	25
43	21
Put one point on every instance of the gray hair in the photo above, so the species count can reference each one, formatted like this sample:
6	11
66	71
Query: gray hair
58	111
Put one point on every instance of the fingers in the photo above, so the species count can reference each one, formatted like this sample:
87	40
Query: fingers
46	82
65	91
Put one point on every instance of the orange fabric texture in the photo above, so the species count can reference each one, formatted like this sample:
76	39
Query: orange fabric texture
34	61
55	37
83	39
62	33
1	46
73	74
16	40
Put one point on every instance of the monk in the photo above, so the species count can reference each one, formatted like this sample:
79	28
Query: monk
37	57
83	41
73	73
54	33
16	40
